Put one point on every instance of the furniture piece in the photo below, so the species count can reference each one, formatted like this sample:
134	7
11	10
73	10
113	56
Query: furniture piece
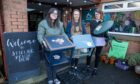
54	47
82	42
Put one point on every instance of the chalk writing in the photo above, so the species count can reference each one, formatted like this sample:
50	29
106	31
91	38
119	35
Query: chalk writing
21	54
18	43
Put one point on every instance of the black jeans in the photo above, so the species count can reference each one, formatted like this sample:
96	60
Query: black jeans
51	72
97	56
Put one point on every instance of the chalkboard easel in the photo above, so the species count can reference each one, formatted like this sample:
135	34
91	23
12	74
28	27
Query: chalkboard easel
21	55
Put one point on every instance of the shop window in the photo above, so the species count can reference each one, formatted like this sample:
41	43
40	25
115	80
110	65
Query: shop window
134	4
126	16
115	6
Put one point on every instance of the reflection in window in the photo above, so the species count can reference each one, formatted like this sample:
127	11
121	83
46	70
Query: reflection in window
124	22
134	4
115	6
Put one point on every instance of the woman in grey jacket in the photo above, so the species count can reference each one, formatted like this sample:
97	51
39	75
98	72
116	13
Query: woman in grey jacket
51	25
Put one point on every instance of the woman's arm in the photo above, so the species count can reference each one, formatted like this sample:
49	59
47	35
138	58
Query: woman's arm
83	28
68	29
62	31
40	32
91	28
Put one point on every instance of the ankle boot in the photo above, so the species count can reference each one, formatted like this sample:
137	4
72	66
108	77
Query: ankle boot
76	62
72	62
94	72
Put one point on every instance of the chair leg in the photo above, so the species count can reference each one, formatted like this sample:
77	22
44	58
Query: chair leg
72	62
52	74
88	60
76	62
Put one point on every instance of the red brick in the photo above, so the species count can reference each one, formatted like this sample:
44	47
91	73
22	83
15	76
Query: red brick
13	19
15	23
107	0
21	30
20	16
20	23
19	13
18	30
25	23
7	21
22	20
14	16
15	30
14	27
133	47
25	30
21	27
9	15
13	12
24	16
8	28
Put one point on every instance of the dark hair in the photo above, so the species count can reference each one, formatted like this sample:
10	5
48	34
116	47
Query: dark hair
100	12
56	23
73	21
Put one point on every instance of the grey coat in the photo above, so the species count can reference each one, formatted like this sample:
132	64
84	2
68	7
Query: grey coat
44	29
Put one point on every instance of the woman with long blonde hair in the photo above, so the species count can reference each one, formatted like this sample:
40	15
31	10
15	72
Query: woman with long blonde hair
75	27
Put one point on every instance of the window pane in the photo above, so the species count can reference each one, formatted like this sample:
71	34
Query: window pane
134	4
115	6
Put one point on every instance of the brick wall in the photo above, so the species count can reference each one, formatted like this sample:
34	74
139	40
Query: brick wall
15	15
133	47
103	1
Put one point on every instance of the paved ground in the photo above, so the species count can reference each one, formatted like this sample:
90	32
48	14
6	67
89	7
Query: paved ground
107	74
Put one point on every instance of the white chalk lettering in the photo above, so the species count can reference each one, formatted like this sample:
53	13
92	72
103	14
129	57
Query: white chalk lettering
18	43
22	55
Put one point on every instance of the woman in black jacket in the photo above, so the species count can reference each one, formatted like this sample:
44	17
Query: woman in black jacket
99	40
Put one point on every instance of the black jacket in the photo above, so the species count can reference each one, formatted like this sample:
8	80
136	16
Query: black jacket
93	25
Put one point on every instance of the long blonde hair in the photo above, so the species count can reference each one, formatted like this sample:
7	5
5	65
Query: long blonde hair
73	30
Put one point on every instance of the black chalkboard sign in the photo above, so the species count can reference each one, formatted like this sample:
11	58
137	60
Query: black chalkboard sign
22	55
